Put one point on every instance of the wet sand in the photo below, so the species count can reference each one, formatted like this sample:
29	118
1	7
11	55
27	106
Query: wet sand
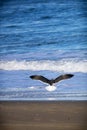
51	115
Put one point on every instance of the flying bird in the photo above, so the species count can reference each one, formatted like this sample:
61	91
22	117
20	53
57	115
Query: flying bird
52	81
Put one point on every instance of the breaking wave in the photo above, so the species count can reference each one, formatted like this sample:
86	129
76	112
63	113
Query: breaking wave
62	65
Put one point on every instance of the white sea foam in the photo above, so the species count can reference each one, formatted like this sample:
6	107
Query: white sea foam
62	65
50	88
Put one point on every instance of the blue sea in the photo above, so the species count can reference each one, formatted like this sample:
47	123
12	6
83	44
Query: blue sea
43	37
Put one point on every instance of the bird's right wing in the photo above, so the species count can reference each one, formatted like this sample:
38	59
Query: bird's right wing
62	77
41	78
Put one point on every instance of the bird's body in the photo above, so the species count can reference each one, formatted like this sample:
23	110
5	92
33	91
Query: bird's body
52	81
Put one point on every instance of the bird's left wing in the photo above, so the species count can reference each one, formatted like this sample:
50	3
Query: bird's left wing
62	77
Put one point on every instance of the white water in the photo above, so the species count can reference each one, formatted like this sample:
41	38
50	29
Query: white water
50	88
62	65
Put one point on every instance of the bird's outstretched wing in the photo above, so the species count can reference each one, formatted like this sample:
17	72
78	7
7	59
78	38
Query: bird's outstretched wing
62	77
41	78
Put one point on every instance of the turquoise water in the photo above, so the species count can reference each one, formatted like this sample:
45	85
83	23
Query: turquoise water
47	38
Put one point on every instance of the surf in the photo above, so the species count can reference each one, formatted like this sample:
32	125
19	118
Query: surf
68	65
50	88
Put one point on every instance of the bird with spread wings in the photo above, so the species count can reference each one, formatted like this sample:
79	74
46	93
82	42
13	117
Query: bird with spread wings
52	81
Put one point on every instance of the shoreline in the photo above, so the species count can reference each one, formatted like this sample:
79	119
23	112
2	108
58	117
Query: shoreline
42	100
43	115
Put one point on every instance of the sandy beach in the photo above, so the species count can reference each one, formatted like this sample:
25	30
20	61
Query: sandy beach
52	115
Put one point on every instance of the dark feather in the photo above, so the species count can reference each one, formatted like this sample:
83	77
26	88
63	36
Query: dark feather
41	78
62	77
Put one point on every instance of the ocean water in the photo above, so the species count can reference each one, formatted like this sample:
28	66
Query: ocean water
43	37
